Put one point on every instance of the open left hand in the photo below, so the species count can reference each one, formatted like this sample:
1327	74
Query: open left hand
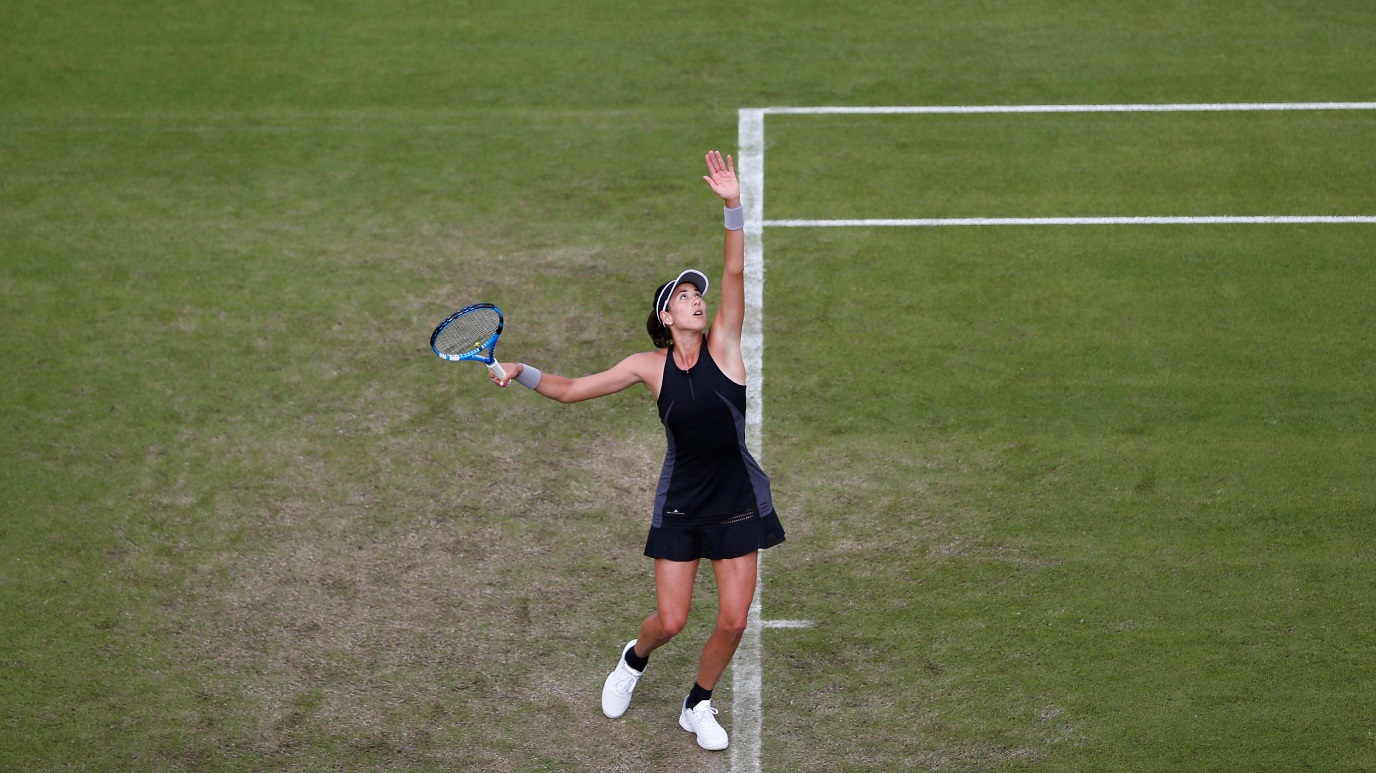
721	175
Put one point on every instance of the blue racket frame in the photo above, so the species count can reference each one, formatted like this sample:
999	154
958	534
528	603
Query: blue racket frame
477	355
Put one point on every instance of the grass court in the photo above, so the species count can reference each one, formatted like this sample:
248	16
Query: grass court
1058	497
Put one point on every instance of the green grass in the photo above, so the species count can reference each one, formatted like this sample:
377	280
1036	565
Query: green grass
1082	498
1116	518
1085	165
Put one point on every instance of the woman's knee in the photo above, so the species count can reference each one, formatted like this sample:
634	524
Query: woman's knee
672	622
732	625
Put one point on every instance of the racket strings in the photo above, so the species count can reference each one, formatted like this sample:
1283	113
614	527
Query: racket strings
468	333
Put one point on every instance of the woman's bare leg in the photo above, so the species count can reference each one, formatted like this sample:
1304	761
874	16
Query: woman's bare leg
674	597
735	592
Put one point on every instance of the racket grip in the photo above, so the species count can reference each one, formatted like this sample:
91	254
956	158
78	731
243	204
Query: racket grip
497	369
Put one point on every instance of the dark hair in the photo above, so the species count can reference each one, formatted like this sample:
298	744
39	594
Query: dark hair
654	326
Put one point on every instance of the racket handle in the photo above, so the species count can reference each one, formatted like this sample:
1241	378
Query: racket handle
497	369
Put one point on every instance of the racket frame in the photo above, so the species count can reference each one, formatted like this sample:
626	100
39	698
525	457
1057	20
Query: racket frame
476	355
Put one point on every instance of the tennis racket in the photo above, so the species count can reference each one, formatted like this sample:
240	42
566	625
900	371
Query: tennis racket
470	334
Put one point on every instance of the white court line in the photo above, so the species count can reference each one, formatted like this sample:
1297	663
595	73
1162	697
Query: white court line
747	715
788	624
1216	107
985	221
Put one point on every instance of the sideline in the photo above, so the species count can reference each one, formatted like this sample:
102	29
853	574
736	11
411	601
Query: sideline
747	715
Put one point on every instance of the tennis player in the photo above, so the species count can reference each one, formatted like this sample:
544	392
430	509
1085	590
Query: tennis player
713	500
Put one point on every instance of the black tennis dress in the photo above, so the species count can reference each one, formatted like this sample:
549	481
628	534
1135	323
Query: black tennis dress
713	499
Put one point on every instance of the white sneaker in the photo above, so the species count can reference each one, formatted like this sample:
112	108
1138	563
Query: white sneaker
616	691
701	720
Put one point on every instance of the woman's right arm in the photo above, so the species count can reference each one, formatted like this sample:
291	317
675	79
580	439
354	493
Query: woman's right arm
636	369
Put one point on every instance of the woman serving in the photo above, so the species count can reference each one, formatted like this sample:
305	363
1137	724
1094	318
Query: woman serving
713	500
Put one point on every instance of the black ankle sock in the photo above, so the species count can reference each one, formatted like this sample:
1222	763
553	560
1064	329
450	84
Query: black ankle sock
696	696
635	661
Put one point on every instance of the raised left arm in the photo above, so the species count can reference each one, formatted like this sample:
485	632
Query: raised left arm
724	338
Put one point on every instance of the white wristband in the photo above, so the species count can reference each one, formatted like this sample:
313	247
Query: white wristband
735	218
530	376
